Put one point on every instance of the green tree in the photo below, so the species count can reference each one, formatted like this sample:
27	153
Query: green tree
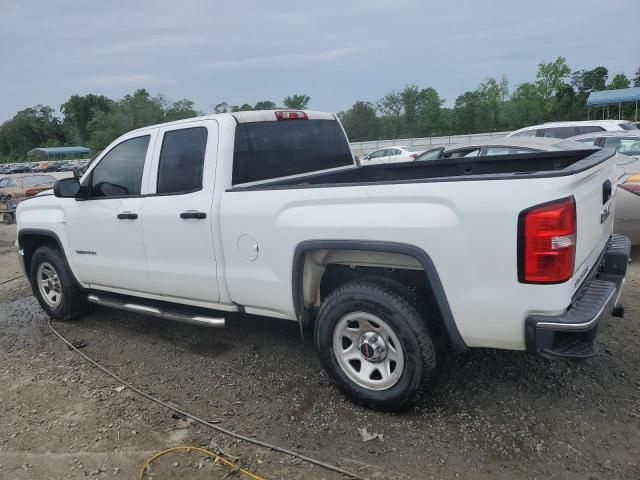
265	105
242	108
636	78
30	128
619	81
180	109
391	108
130	112
78	111
360	122
297	102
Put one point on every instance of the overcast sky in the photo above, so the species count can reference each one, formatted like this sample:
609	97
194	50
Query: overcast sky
335	51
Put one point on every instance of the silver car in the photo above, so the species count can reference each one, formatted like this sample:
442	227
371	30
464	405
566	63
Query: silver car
627	144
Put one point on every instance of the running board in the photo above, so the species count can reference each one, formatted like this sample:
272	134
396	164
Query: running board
157	312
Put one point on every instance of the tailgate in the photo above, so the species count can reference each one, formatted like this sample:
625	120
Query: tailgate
594	193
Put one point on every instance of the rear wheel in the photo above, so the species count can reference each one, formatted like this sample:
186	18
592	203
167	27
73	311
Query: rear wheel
54	286
375	345
7	218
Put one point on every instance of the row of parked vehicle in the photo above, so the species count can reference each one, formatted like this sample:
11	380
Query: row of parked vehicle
42	167
620	135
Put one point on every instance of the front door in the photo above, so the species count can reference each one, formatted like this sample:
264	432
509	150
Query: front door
179	218
105	229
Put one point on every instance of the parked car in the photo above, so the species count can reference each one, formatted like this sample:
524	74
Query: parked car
265	212
391	155
627	209
19	168
627	147
500	146
570	129
20	186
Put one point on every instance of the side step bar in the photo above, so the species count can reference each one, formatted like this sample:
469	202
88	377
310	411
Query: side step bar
157	312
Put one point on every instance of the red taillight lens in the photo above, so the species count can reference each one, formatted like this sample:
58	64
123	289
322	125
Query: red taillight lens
291	115
30	193
413	155
547	242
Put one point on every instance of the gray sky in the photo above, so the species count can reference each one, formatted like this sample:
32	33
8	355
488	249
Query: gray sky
335	51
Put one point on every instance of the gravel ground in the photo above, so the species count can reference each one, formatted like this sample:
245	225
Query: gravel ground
494	414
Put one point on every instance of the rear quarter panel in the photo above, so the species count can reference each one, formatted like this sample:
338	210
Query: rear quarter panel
468	228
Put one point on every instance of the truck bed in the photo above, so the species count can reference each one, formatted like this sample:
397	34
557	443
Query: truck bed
533	165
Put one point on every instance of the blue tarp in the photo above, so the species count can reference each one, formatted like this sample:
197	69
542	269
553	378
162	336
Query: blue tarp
609	97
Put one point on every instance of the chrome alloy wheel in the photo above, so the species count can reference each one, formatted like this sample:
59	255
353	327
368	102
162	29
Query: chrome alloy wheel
49	284
368	351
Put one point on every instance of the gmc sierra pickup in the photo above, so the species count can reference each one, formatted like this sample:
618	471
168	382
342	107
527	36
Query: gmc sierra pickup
267	213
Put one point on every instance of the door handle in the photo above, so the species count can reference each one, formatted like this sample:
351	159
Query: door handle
193	214
127	216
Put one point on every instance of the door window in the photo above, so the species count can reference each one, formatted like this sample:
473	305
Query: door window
119	173
393	152
559	132
377	154
507	151
182	160
589	129
465	152
431	154
3	182
526	133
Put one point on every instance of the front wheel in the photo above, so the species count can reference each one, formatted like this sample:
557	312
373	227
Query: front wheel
54	286
375	345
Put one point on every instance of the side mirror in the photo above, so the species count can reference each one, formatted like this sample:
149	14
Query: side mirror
66	188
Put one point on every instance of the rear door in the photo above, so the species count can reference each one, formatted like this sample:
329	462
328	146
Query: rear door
178	218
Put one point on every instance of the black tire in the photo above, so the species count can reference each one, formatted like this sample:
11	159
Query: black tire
395	305
73	300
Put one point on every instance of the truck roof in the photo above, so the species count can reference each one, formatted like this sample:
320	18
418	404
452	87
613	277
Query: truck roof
244	117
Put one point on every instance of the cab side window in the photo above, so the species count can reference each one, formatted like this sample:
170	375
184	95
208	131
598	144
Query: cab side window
119	173
182	160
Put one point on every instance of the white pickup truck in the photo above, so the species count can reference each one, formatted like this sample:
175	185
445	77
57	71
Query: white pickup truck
266	213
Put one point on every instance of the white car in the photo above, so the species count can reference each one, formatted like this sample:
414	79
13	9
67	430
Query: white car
627	147
570	129
391	155
266	213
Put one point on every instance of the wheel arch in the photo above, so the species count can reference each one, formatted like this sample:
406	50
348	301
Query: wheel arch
30	239
420	257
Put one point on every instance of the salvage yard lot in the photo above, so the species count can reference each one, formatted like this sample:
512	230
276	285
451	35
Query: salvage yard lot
494	414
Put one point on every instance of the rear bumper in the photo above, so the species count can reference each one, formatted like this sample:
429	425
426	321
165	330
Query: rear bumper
572	334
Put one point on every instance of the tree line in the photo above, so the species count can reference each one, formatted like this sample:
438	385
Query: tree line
557	93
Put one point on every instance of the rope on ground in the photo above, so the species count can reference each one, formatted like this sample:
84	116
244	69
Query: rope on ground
216	459
254	441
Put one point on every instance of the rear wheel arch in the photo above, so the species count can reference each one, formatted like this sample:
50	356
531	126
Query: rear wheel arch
307	276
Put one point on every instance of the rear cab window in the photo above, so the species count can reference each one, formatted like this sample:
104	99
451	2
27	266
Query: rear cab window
274	149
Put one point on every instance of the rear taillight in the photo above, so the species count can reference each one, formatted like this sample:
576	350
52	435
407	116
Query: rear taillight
413	155
31	193
547	242
291	115
631	184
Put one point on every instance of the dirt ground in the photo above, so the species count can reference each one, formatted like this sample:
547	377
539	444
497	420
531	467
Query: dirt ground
494	415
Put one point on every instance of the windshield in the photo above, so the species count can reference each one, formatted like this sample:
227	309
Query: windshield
626	145
267	150
628	126
38	180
